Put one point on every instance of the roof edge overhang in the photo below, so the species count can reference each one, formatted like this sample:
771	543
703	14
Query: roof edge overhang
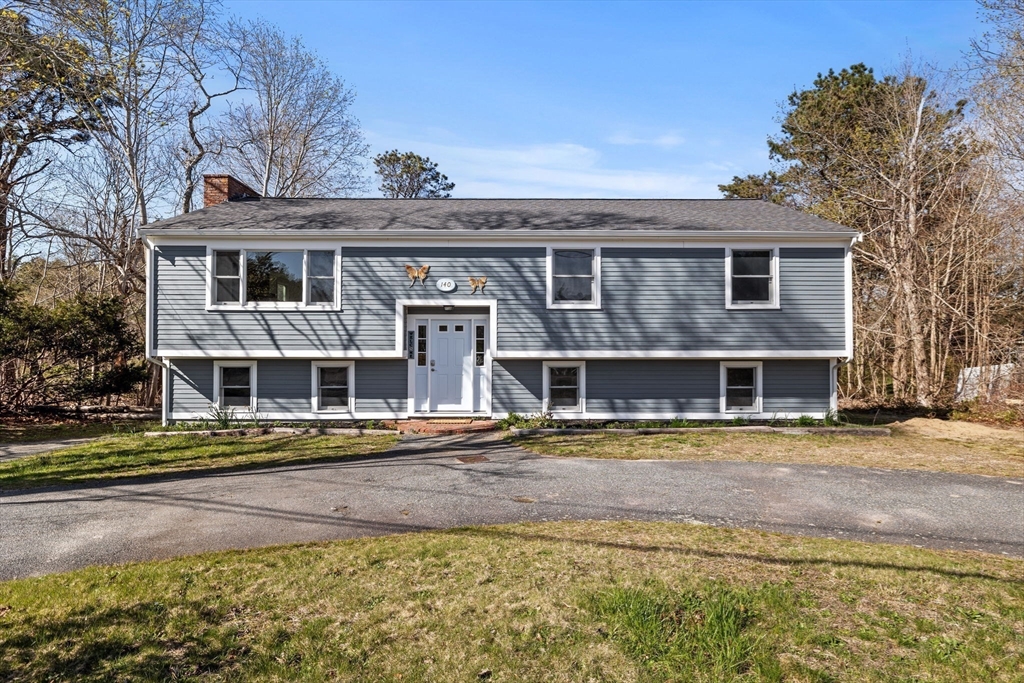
157	234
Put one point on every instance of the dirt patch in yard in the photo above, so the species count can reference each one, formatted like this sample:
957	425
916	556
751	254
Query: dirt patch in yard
961	431
917	444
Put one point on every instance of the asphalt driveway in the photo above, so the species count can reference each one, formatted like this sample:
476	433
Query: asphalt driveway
422	484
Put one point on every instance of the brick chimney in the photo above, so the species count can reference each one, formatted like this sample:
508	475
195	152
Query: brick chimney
223	188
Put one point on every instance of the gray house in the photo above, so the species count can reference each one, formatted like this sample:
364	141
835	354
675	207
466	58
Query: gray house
333	309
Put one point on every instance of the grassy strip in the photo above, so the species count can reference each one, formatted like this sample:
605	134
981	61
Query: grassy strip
567	601
21	432
133	456
900	451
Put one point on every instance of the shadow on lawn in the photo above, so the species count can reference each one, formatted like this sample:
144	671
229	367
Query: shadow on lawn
91	466
497	532
115	470
135	642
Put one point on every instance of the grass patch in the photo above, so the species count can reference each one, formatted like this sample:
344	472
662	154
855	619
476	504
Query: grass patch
566	601
905	449
26	432
132	456
707	634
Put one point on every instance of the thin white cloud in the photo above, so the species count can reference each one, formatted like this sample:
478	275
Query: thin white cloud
667	140
553	170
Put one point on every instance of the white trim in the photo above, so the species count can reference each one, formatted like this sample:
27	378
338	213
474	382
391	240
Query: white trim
460	237
244	304
833	380
640	415
510	354
315	392
150	265
581	388
165	391
754	305
553	354
297	416
301	354
595	303
848	287
253	399
401	317
758	394
486	369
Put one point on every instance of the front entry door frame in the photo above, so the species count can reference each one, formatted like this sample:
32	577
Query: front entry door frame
430	321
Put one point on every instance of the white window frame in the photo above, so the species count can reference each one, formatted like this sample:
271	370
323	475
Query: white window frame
581	388
595	303
217	365
773	290
245	305
758	394
315	395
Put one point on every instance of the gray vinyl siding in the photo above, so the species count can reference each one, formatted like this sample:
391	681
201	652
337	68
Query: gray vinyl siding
191	387
665	387
284	386
796	386
382	386
666	299
517	386
653	386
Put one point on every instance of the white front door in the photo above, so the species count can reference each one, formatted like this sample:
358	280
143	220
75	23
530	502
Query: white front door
451	365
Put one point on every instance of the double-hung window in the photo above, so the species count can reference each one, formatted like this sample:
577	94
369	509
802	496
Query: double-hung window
564	387
574	278
752	278
227	277
235	384
262	278
332	387
741	387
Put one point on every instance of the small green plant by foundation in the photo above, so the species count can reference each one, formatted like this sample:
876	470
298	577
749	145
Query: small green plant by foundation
223	417
511	420
833	418
806	421
740	421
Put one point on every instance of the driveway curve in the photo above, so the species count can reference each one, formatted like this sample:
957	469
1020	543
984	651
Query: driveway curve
427	483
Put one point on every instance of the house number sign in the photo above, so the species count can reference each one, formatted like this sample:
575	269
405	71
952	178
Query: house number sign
445	284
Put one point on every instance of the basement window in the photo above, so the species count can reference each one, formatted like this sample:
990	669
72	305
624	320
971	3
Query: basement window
741	387
332	387
564	387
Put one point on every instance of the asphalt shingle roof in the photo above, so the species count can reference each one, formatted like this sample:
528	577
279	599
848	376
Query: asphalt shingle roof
435	215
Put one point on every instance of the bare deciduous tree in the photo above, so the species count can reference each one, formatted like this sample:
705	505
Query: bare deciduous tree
298	137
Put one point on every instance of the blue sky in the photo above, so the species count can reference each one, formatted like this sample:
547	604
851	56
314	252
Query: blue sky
600	99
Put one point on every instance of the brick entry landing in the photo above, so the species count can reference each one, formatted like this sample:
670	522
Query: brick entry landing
449	426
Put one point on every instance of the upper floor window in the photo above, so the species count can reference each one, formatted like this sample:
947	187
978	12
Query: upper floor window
274	279
574	278
751	278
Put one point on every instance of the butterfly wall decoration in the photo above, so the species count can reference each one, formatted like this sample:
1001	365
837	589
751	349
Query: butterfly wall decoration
478	283
415	274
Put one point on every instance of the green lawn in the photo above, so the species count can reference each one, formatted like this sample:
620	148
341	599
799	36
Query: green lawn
566	601
135	455
921	445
